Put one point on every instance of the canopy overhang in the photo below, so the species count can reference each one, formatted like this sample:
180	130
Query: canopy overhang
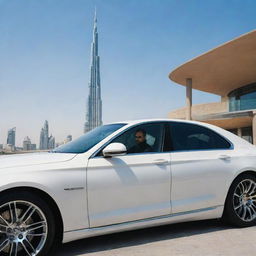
223	69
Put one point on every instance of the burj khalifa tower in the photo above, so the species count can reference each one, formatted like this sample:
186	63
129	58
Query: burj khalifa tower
94	103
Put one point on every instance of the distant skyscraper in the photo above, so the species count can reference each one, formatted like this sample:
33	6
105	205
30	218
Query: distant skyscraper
94	104
11	137
51	142
27	144
46	142
41	142
46	135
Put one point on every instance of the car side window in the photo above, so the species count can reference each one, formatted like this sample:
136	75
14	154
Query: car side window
142	138
185	136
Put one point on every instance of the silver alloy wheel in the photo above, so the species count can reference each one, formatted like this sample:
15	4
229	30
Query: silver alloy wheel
23	229
244	200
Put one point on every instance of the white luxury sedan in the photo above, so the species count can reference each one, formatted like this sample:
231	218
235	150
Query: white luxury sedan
124	176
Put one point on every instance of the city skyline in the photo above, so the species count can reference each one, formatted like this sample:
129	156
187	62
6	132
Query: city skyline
45	141
45	55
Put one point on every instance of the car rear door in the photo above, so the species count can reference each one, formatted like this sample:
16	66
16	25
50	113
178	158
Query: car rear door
201	163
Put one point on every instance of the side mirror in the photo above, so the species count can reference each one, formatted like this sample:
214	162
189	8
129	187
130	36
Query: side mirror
114	149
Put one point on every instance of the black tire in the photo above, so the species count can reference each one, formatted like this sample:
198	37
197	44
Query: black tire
233	212
32	199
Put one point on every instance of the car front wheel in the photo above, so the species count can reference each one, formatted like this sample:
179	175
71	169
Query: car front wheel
240	207
26	225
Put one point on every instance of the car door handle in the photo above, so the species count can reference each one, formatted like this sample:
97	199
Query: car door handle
224	157
161	161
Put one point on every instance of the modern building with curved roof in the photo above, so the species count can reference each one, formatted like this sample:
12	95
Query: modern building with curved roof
230	72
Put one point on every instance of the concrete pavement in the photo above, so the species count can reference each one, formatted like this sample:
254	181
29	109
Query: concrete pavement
202	238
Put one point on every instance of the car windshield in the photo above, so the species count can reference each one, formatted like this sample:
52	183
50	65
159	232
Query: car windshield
88	140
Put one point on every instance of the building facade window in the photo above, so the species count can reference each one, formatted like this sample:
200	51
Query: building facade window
247	134
243	98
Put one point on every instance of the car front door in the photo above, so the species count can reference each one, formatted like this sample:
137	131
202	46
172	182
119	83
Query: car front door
131	187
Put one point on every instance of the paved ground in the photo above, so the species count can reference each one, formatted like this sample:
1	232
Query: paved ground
204	238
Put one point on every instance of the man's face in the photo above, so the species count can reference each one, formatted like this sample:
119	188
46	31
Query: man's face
139	137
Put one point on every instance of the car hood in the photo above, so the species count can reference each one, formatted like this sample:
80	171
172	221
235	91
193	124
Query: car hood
33	159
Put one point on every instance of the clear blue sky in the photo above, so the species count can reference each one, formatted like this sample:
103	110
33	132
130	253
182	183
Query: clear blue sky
45	56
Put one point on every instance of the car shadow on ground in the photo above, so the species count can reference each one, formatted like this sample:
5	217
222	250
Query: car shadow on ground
139	237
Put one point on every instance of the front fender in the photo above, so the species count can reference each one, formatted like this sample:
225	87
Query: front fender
64	182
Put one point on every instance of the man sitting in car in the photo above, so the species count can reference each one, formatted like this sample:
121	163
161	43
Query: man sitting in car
141	143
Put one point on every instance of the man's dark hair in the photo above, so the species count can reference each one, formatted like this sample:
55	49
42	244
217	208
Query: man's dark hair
141	130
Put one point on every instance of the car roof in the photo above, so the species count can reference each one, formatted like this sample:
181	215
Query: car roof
138	121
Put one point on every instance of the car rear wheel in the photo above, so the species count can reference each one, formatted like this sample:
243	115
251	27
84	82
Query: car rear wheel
240	207
26	225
